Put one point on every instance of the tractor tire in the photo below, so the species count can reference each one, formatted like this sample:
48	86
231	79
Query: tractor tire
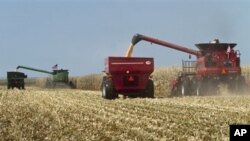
149	91
108	91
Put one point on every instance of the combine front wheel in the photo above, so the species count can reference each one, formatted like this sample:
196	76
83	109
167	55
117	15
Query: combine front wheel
186	86
199	88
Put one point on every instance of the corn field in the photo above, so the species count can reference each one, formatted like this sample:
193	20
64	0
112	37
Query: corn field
71	114
80	114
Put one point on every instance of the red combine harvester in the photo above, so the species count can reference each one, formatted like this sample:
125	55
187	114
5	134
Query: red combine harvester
129	76
216	63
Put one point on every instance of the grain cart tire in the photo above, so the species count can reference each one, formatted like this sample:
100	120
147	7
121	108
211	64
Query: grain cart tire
103	80
23	86
149	91
102	86
108	91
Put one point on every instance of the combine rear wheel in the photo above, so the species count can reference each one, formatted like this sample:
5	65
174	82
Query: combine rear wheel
187	86
108	91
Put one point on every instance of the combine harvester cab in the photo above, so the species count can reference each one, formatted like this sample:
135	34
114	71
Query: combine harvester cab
129	76
16	79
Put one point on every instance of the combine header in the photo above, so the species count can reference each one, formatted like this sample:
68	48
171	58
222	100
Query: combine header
216	63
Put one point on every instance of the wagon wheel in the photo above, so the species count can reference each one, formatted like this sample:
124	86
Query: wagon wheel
108	91
149	91
23	86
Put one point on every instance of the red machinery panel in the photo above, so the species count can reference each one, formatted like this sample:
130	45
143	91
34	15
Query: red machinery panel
129	73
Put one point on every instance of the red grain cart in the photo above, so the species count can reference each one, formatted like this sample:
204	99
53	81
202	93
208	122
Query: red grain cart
129	76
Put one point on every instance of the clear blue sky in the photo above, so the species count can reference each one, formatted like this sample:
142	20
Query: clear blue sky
78	35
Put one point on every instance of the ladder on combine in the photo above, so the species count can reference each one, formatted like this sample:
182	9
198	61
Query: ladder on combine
188	67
